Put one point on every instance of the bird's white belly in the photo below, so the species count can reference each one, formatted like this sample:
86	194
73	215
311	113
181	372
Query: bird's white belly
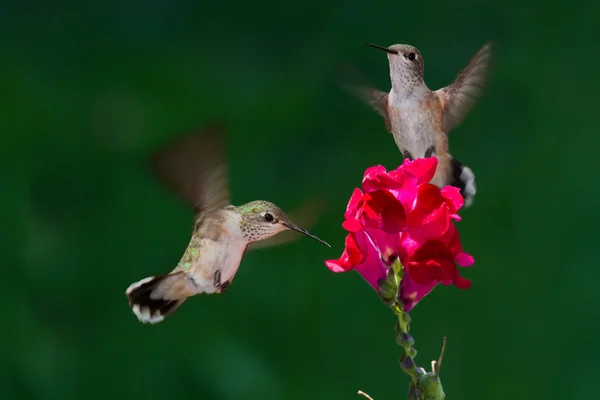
412	129
220	258
232	256
231	260
223	258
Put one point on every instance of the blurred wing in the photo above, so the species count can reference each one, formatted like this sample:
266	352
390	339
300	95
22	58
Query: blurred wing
195	167
375	98
304	217
459	97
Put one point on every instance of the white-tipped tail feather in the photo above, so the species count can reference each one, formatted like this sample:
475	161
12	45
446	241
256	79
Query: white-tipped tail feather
151	299
464	179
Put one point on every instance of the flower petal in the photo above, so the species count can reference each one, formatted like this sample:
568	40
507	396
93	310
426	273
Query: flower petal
353	204
351	257
434	226
461	282
464	259
385	243
427	200
336	265
453	198
412	292
371	268
434	262
377	178
384	211
352	225
421	168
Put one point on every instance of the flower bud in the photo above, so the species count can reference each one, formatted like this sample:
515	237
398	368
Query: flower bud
388	291
431	386
408	365
405	340
411	352
397	268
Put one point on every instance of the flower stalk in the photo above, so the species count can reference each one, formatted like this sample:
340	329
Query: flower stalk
423	385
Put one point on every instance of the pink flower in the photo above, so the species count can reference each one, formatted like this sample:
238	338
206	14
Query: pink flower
360	254
400	214
378	209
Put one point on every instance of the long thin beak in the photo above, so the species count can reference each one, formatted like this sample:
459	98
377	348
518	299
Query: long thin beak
303	231
382	48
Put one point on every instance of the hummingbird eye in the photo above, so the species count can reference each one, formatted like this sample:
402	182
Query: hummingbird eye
269	217
411	56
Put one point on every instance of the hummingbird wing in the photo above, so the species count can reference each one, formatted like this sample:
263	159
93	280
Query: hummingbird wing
305	217
195	167
377	99
459	97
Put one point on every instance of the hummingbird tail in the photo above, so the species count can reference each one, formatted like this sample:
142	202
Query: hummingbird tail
464	179
155	297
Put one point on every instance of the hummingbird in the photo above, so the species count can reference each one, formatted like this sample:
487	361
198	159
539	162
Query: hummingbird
195	168
420	119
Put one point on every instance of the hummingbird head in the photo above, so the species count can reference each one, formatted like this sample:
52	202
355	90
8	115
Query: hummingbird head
261	220
406	62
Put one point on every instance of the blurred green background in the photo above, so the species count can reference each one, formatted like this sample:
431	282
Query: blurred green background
89	90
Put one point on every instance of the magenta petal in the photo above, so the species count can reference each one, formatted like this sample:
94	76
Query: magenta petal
464	259
378	179
352	225
373	172
436	224
384	211
372	268
422	168
353	203
351	256
385	243
334	266
407	194
452	194
412	292
372	178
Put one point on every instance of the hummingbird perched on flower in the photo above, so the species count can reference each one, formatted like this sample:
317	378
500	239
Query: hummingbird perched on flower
195	168
420	119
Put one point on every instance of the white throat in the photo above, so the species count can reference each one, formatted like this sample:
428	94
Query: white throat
233	227
402	90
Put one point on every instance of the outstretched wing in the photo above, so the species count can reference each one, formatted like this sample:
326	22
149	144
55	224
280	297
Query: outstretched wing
195	167
305	217
358	86
459	97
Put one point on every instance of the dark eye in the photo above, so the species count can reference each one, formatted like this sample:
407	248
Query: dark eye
411	56
406	154
269	217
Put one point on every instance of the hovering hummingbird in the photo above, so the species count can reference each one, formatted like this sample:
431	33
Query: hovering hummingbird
420	119
195	168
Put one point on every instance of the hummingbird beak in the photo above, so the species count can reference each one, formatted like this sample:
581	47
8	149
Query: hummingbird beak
390	51
293	227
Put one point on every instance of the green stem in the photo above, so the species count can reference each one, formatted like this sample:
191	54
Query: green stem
389	293
405	341
423	386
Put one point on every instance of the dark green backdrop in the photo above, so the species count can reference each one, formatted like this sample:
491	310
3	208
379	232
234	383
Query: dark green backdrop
88	91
